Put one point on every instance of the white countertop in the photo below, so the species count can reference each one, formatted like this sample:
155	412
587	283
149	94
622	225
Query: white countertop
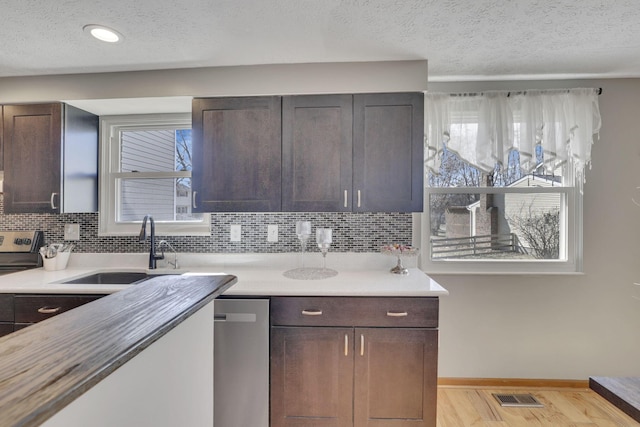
258	275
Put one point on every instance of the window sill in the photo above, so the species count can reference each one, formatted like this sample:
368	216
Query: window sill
503	273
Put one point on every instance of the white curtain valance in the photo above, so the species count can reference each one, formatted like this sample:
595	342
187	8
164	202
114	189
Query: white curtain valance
484	128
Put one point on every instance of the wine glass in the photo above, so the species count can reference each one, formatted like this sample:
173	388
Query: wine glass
303	231
324	239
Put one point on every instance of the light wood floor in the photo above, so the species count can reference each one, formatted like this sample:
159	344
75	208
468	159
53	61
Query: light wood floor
460	406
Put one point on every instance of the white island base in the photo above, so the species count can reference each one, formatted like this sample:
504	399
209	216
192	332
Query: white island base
168	384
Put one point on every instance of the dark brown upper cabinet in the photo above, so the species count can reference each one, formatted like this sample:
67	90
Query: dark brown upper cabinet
311	153
388	147
237	154
317	153
360	153
50	159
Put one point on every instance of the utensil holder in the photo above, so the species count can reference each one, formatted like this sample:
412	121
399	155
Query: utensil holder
59	262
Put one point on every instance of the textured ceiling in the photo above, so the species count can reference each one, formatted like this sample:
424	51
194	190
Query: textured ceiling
461	39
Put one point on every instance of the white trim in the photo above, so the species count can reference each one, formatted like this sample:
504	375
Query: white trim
498	190
150	175
110	127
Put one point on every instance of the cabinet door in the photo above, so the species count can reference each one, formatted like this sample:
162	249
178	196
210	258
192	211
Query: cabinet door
237	154
32	155
317	153
311	377
80	161
395	377
388	146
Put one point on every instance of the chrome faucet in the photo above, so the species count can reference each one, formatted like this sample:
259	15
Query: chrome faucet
162	243
143	236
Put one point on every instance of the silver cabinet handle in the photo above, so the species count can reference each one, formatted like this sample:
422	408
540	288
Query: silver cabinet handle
346	344
52	201
345	198
49	310
397	313
312	312
359	198
361	344
193	200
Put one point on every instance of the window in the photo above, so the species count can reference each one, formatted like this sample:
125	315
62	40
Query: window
500	196
507	220
146	169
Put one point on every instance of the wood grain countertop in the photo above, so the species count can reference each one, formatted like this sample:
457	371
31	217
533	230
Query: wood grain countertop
623	392
46	366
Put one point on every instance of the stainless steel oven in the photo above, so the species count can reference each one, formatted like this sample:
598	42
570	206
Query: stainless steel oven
19	250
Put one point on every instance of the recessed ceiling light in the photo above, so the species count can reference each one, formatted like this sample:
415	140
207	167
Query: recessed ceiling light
103	33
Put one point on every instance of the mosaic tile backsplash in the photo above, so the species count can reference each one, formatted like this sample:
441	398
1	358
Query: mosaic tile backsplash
352	232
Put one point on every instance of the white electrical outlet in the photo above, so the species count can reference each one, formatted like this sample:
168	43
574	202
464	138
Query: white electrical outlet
72	232
272	233
235	233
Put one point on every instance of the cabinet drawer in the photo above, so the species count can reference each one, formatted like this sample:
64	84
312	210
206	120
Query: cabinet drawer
35	308
6	308
355	311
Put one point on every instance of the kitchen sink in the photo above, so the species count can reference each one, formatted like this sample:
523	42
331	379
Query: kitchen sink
114	278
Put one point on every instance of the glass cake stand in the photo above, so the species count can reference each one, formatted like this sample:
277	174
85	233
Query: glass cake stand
400	252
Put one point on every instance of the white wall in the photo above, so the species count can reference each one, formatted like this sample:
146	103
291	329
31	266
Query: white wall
564	327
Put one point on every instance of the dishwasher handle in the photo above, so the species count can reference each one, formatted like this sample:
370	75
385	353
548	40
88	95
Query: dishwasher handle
235	317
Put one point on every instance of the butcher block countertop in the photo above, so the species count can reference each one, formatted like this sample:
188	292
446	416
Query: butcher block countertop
46	366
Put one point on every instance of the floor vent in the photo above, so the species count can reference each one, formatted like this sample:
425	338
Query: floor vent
518	400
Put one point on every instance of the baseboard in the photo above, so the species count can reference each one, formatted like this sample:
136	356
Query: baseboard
511	382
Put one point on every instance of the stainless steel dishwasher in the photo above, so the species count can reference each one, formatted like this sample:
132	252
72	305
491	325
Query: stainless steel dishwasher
241	363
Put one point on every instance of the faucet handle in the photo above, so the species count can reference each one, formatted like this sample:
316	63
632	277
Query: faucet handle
175	254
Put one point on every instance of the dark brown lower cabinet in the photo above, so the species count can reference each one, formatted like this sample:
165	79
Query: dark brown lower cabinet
395	377
17	311
352	376
34	308
311	377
